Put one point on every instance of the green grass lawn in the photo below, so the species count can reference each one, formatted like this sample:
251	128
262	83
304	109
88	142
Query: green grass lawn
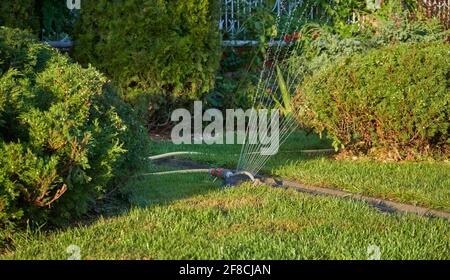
188	217
419	183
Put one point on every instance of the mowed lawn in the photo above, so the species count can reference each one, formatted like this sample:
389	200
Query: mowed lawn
189	217
419	183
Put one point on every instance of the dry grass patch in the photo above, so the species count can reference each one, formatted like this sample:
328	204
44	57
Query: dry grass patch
268	226
222	203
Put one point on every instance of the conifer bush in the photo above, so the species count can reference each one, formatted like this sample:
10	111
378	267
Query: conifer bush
159	53
66	137
48	19
392	102
19	14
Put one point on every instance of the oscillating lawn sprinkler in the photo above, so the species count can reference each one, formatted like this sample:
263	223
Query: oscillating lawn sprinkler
231	178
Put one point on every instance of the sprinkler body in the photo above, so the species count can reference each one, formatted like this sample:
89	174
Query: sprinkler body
231	178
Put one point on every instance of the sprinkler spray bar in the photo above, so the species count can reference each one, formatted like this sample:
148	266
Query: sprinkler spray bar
227	174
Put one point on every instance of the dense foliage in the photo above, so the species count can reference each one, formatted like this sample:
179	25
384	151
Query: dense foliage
48	19
159	53
65	136
57	21
319	46
19	14
392	102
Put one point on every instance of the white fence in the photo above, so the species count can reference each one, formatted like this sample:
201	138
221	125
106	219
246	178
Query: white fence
233	11
436	8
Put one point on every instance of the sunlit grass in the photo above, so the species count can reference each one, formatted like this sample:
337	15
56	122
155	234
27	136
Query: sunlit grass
421	183
188	217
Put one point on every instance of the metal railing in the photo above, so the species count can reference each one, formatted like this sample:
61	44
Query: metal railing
436	8
234	11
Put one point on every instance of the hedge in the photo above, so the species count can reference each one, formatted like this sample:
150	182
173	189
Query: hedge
48	19
159	53
391	103
19	14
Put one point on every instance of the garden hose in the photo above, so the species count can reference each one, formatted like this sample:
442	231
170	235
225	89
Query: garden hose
167	155
182	171
228	176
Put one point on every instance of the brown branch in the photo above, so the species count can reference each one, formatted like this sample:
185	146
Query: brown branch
58	194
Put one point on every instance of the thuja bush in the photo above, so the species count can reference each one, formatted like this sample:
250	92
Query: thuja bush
159	53
392	102
66	138
19	14
48	19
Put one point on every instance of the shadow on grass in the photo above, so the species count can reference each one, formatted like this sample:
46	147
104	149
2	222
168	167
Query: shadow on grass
149	190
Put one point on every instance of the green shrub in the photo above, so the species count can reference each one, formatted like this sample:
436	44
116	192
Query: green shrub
66	138
19	14
50	19
392	102
57	20
159	53
319	46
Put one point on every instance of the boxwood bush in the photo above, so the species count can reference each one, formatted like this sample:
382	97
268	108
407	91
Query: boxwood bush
392	102
66	137
159	53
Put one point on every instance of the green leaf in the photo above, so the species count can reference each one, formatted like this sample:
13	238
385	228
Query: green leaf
286	108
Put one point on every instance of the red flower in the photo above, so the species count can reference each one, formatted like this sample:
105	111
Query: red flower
287	38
